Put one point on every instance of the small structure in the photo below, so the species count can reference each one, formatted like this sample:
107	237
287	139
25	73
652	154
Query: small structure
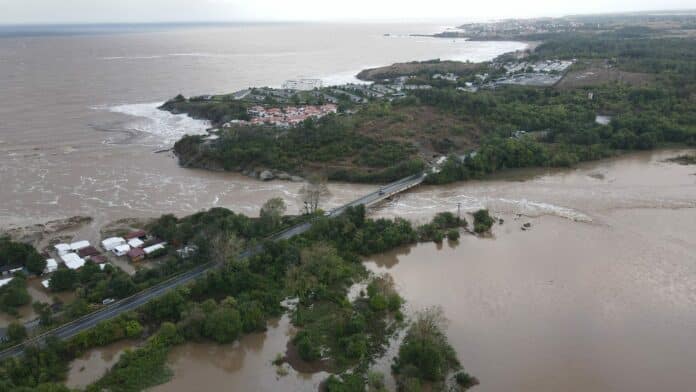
9	270
152	249
75	246
5	281
98	259
136	254
51	266
136	243
46	283
110	244
121	250
62	249
187	251
73	261
135	234
88	252
102	266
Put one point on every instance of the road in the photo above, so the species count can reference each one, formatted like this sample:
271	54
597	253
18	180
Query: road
113	310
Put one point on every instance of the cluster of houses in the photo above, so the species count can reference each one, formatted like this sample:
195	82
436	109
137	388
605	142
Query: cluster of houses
132	245
544	66
286	116
76	254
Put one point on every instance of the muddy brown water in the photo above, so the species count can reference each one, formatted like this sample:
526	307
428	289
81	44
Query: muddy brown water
598	295
93	364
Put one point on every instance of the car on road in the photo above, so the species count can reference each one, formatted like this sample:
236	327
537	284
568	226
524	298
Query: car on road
108	301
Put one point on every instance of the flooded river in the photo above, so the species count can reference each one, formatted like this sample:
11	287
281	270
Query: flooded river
598	295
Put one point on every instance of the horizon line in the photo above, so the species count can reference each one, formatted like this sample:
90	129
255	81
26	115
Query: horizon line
319	21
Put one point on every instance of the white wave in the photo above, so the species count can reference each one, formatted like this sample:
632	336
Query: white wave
343	78
167	127
534	208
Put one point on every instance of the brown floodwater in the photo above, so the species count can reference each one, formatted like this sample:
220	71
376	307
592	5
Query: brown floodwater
243	366
37	293
92	365
598	295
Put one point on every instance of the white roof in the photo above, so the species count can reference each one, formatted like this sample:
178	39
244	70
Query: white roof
73	261
153	248
136	243
79	245
103	265
5	281
45	283
122	248
112	242
62	247
51	263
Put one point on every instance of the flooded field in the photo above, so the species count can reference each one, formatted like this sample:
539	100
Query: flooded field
243	366
600	293
93	364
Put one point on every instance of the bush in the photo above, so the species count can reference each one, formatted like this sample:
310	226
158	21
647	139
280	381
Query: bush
306	348
482	221
465	380
16	332
453	235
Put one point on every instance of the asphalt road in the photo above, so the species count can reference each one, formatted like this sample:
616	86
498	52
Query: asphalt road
113	310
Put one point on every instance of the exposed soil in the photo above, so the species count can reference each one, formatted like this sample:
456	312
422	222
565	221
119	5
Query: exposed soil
596	74
413	68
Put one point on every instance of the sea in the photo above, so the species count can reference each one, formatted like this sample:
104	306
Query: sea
80	128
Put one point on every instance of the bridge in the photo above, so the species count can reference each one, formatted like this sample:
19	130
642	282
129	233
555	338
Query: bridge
124	305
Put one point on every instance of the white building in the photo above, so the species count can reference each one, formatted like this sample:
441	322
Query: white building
302	84
110	244
73	261
51	266
62	249
136	243
46	283
5	281
121	250
75	246
154	248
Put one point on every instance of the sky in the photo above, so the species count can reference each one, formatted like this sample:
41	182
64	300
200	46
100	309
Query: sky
138	11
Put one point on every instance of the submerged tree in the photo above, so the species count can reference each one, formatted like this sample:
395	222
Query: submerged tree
312	192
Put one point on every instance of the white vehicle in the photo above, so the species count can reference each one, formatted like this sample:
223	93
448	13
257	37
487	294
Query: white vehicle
108	301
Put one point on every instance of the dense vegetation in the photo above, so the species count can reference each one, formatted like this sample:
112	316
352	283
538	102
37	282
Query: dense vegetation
317	268
559	123
331	143
218	111
16	254
520	126
425	356
14	294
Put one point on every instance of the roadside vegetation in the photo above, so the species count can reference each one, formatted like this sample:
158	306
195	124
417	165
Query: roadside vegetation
317	269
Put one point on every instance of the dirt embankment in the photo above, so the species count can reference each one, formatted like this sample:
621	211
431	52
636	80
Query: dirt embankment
42	235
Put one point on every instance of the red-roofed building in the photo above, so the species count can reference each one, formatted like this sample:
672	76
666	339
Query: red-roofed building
88	252
136	254
98	259
135	234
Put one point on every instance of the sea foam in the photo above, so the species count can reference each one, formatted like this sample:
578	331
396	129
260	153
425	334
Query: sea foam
165	126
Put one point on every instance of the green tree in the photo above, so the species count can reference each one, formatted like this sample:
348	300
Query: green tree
223	325
272	213
63	279
16	332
